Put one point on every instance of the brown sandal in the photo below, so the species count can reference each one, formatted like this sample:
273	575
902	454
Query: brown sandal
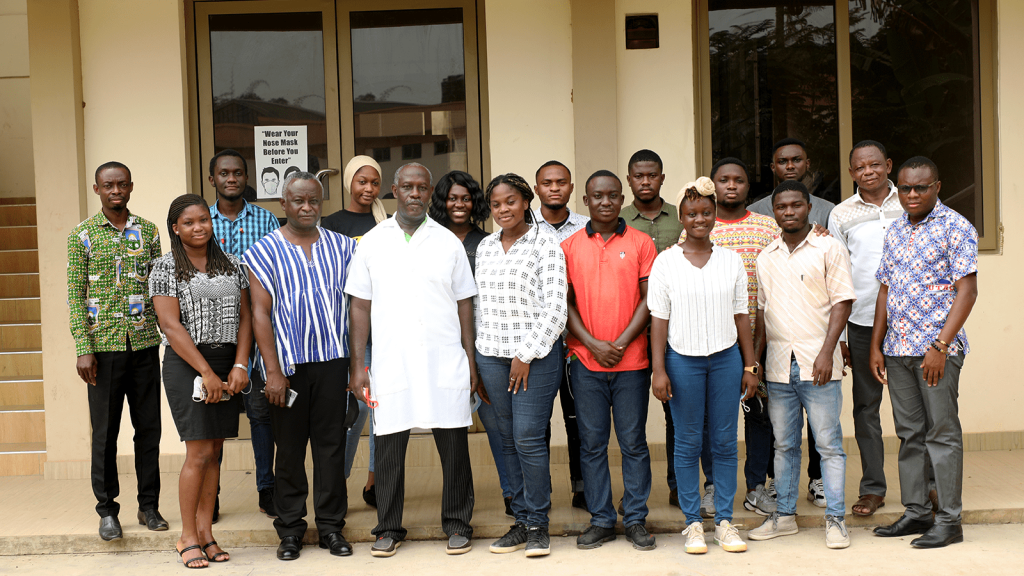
870	501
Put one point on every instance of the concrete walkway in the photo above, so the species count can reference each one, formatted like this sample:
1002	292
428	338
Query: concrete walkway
988	549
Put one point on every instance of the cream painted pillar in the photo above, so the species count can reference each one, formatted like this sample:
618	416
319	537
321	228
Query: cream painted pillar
595	103
60	183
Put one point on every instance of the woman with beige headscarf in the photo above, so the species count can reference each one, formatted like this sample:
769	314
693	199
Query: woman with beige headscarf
364	211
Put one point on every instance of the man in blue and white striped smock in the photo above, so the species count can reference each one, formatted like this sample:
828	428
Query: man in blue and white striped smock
297	278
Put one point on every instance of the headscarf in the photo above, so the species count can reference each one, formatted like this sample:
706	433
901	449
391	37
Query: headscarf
703	186
353	166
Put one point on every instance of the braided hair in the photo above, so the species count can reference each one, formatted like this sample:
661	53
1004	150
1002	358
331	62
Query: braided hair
517	183
216	261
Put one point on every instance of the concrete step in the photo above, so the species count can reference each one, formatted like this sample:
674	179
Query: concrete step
21	424
27	336
22	458
21	390
15	310
17	215
18	237
14	261
21	363
19	284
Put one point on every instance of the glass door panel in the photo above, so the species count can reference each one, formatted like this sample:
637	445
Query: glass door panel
266	65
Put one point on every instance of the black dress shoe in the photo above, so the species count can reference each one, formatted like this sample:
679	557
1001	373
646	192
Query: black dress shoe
289	548
939	536
903	527
336	543
370	496
110	528
153	520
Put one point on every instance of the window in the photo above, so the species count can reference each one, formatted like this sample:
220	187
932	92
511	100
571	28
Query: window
915	75
412	151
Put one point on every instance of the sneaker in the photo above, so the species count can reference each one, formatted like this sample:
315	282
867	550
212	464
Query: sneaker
773	527
508	508
836	535
370	496
514	539
673	498
640	537
770	489
695	543
267	502
707	503
579	500
759	502
458	544
385	547
538	543
728	537
594	536
816	493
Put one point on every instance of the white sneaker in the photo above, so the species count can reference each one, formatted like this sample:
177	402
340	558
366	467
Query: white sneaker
770	489
836	535
707	503
695	543
728	537
816	493
760	502
773	527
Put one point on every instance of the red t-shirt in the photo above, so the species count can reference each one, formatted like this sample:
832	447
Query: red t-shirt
606	278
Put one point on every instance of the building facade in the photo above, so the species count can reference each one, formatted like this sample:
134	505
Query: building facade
495	86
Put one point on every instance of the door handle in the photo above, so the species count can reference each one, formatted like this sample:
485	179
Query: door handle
326	172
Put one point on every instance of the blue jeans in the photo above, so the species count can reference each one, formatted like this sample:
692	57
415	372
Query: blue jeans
489	419
757	432
598	395
257	410
522	419
353	434
705	385
823	405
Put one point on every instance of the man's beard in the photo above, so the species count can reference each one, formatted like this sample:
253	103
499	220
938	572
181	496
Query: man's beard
554	207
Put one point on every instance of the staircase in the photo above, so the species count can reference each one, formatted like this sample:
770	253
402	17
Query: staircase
22	420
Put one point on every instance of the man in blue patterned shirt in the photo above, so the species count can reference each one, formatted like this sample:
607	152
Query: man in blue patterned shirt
237	225
929	283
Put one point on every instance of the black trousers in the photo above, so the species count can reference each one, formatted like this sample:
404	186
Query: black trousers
457	498
316	417
572	431
135	375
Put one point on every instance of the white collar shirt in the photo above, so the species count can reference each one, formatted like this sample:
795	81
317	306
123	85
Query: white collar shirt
700	304
575	223
521	309
861	227
420	372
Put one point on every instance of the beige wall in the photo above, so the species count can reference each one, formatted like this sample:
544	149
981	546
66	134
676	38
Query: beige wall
17	177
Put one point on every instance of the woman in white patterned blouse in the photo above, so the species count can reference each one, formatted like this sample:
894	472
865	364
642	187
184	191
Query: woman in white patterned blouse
520	316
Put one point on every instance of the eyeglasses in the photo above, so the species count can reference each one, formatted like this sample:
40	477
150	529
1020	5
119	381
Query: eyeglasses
920	188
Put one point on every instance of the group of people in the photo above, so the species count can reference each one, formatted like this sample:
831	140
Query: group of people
713	307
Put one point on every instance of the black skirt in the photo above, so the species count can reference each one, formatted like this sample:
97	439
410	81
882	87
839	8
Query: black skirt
199	420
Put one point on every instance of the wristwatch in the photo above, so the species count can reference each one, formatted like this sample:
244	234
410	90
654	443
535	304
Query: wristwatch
755	369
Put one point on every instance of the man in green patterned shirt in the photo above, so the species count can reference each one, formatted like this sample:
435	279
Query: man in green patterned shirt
116	338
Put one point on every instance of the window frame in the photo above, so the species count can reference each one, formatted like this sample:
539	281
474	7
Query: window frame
991	240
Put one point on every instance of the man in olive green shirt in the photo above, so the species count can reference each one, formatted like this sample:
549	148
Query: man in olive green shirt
652	215
116	339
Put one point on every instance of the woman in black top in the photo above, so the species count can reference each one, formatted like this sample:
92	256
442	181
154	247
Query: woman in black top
459	205
362	181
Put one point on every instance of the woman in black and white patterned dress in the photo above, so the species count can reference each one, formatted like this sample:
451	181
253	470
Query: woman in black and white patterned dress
201	298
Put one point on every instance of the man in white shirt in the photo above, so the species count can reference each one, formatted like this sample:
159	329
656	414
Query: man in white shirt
860	224
554	189
412	282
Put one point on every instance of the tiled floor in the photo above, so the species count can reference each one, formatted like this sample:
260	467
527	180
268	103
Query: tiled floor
41	516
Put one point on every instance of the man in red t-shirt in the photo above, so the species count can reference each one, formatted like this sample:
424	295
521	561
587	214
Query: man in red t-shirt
607	265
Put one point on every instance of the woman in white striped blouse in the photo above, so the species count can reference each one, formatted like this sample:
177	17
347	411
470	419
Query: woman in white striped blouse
697	294
521	312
